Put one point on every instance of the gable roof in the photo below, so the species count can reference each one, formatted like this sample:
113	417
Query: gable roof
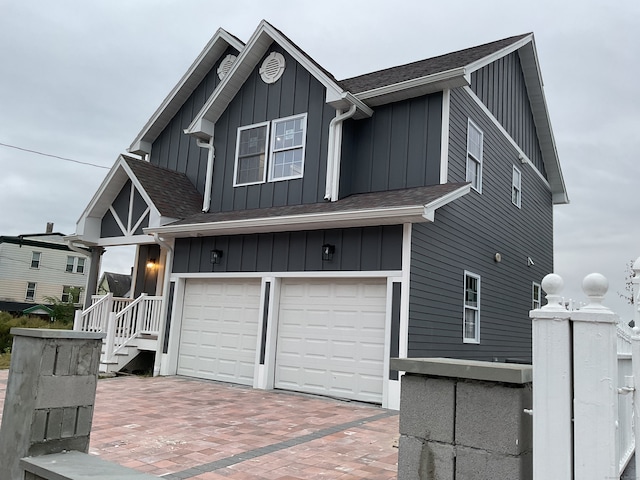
379	208
183	89
170	196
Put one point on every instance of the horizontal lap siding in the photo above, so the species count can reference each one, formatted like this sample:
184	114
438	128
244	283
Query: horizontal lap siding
175	150
466	235
356	249
297	92
398	147
501	87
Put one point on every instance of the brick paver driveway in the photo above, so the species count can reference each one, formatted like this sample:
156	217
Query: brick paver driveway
181	428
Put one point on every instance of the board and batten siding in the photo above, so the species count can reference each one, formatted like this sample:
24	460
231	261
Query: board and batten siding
296	92
466	235
501	87
175	150
356	249
398	147
109	227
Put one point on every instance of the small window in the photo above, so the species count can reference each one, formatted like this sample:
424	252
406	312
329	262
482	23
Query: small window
35	259
80	265
70	263
471	326
31	291
536	296
516	192
251	154
287	148
75	265
474	156
70	294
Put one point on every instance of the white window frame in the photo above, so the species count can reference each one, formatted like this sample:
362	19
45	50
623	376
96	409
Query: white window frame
266	153
273	150
71	262
536	302
77	265
471	308
33	295
516	187
270	150
80	264
472	157
37	261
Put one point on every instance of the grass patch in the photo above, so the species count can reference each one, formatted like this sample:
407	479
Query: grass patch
5	360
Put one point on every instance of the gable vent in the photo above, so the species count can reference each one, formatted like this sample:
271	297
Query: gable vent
272	68
226	65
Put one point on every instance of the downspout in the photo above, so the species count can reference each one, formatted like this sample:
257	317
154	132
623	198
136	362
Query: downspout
206	203
333	153
168	266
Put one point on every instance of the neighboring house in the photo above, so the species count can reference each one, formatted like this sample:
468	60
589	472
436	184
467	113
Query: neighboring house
313	228
117	283
36	268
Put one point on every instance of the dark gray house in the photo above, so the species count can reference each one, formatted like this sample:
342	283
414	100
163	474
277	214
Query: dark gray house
306	229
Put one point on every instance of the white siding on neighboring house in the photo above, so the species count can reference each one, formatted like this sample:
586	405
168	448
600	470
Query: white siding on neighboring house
50	277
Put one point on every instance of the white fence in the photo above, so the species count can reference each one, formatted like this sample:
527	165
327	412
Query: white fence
585	407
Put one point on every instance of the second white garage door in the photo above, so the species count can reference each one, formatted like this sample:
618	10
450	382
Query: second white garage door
331	337
219	330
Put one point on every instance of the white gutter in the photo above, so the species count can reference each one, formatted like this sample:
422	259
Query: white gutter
77	249
206	203
333	153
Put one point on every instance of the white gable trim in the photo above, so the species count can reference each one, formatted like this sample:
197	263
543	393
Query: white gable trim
183	89
503	52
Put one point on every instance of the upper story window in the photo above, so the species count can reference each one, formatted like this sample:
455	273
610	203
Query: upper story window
516	191
474	156
536	296
31	291
276	147
35	259
471	323
75	265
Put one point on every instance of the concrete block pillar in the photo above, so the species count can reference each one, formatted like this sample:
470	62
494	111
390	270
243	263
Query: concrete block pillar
464	420
50	395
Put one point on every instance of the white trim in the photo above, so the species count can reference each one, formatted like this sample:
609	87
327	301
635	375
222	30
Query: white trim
472	158
521	155
403	334
444	139
430	208
273	151
533	291
170	366
124	240
387	341
476	339
266	153
516	186
503	52
323	274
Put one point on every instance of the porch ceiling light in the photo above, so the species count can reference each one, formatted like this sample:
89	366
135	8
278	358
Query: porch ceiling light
327	252
216	255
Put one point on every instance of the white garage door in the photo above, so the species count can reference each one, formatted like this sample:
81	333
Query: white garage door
219	330
331	337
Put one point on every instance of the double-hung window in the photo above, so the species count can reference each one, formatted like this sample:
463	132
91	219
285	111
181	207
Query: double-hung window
275	147
471	323
31	291
75	265
474	156
536	296
516	190
35	259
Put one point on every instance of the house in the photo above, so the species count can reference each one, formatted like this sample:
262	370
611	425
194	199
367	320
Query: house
302	230
39	267
117	283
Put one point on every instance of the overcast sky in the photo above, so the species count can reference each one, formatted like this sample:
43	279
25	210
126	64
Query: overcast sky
79	79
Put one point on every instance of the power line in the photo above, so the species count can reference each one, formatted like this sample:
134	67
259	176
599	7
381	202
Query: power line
54	156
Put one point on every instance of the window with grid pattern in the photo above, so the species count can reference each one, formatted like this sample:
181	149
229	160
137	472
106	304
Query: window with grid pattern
471	323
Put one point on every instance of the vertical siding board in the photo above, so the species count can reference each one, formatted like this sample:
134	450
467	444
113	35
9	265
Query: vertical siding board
313	250
249	257
398	146
233	252
380	158
297	251
334	237
390	257
351	249
195	253
372	247
206	245
264	252
280	253
434	138
417	153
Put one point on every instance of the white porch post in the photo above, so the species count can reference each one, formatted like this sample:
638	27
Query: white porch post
636	291
552	396
635	362
595	384
111	335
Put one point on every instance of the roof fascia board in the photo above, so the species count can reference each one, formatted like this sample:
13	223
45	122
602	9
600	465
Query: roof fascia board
453	78
503	52
247	60
220	41
378	216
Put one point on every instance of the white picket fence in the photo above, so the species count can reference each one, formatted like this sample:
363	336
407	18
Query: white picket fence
585	406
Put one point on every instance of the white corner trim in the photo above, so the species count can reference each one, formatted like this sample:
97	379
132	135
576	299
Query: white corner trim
523	156
444	140
403	334
430	208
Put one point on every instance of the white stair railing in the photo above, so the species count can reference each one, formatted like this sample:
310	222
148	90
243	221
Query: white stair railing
94	318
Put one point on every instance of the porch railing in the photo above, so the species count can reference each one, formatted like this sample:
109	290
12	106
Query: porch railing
585	405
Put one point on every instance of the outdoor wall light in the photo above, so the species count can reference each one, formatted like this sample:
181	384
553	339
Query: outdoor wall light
216	255
151	263
327	252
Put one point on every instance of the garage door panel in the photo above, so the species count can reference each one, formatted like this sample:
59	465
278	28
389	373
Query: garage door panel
219	329
331	337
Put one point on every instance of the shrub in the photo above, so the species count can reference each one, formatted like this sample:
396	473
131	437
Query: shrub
7	322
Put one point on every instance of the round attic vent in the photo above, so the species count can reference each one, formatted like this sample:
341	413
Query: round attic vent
272	68
226	65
